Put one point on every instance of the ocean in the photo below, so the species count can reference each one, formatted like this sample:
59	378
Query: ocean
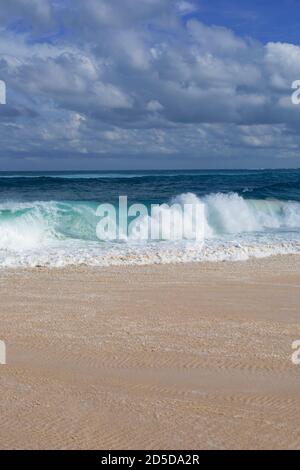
50	219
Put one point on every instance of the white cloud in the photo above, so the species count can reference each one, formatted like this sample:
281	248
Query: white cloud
283	63
184	7
111	96
215	38
125	75
154	106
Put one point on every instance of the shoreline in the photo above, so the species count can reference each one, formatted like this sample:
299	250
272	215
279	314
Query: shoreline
190	262
189	355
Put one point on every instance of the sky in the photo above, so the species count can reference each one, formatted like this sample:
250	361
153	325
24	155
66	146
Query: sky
149	84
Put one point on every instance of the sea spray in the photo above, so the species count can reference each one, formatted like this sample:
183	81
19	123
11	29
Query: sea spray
51	220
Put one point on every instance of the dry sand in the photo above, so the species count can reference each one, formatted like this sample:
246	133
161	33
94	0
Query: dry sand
161	357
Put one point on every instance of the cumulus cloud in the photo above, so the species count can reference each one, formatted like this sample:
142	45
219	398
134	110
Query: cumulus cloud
184	7
154	105
215	38
115	77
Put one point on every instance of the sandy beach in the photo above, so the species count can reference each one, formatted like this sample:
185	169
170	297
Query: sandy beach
188	356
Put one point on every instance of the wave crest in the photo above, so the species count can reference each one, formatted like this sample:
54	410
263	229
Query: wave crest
59	233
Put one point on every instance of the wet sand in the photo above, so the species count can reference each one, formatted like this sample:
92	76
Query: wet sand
190	356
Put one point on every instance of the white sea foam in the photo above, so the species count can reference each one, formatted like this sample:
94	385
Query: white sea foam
64	233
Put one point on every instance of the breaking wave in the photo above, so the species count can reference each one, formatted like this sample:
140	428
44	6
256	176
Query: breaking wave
63	233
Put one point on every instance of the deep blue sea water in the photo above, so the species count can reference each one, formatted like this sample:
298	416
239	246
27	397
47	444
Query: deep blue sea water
50	218
155	185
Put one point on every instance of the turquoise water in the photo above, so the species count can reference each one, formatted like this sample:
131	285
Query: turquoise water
50	218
